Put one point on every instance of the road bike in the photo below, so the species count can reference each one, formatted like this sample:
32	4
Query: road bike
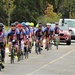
13	51
37	47
56	41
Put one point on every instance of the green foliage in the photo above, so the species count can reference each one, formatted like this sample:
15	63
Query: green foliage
32	10
49	16
8	7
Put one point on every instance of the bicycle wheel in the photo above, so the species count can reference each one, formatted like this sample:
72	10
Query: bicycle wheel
18	56
57	43
12	56
50	45
36	48
0	67
26	52
26	55
39	49
47	47
21	56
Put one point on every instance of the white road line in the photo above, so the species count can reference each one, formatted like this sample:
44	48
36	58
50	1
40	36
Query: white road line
51	62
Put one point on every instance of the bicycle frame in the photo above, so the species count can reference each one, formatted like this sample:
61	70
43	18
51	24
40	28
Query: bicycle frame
12	52
37	47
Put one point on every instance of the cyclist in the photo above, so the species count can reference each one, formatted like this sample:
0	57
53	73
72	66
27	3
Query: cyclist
3	36
48	34
56	32
29	34
39	34
21	35
33	32
13	34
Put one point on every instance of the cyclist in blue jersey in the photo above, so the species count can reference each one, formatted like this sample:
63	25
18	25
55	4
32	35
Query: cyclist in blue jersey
56	32
13	34
21	35
29	33
39	34
48	34
3	37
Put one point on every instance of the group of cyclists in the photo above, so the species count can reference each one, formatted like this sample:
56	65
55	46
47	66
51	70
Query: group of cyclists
27	34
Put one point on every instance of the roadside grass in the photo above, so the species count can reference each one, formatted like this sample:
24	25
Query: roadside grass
7	28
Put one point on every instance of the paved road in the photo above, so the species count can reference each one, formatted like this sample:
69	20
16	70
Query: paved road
52	62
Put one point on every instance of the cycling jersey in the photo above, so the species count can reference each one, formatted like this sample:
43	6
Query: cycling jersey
2	35
29	31
56	30
12	34
47	32
39	33
22	34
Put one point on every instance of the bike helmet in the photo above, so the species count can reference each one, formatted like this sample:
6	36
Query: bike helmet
48	24
40	25
56	23
13	24
23	24
1	25
16	22
19	25
32	24
27	24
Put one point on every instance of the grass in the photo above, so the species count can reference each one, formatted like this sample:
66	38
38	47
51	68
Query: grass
7	29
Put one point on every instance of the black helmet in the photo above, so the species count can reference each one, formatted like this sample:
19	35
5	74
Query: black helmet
13	24
16	22
40	24
1	25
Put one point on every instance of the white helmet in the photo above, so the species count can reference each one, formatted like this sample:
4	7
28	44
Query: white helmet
27	23
48	24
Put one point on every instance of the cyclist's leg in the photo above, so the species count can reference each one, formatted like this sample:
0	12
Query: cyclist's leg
41	41
47	42
10	44
28	44
16	48
22	45
3	56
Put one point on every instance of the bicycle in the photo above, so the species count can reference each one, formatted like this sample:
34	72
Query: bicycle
1	45
49	44
20	53
56	41
26	50
12	52
37	48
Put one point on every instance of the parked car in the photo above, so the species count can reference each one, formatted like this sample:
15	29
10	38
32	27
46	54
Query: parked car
65	35
71	24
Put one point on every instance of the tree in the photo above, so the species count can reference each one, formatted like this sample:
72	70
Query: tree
50	15
3	16
8	6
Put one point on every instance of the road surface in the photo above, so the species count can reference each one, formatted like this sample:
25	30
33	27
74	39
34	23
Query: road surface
52	62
